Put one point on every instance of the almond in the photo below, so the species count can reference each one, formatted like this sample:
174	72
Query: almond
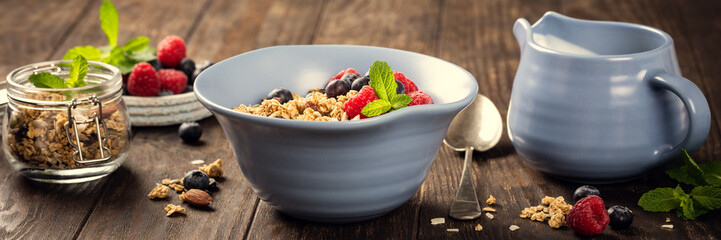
196	197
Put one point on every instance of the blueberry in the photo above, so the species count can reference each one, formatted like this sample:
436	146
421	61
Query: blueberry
125	90
620	216
188	88
400	89
585	191
359	83
199	68
190	132
337	88
349	77
196	179
283	95
187	66
165	92
156	64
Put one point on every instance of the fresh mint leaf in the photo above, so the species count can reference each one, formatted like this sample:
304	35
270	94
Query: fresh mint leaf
109	21
136	44
707	196
89	52
125	65
144	55
114	56
659	200
77	73
46	80
400	101
690	210
382	80
689	173
375	108
712	172
680	194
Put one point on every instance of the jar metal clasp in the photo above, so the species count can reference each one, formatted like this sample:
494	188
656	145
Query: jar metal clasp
78	157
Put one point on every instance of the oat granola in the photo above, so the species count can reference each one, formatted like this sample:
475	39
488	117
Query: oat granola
553	209
214	170
174	209
159	191
491	200
316	106
176	187
37	137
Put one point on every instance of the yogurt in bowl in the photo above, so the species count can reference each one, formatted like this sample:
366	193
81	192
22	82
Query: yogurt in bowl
343	171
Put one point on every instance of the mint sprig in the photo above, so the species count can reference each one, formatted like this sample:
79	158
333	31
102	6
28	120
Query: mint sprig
384	84
78	70
109	22
702	199
697	174
124	57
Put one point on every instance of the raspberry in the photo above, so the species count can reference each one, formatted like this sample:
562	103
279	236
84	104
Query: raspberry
588	216
419	98
409	85
354	105
172	80
143	81
340	74
171	50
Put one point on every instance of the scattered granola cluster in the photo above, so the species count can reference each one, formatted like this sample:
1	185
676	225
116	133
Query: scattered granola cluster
160	191
190	195
553	209
174	209
316	106
214	170
37	136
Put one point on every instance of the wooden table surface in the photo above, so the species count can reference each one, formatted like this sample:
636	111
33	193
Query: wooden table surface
473	34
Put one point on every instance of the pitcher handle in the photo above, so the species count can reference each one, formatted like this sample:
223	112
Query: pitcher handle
693	99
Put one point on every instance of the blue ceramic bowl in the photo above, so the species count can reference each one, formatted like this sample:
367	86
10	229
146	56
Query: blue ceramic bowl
333	171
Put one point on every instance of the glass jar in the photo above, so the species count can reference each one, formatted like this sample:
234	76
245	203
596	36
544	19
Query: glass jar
66	135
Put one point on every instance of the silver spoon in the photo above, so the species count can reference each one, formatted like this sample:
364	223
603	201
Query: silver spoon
477	127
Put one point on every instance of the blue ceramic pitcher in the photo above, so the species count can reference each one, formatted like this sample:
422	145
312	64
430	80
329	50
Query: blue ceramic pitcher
597	101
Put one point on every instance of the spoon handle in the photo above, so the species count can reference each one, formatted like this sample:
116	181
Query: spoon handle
465	205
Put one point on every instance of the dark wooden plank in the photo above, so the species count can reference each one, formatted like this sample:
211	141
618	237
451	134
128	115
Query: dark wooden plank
394	24
32	30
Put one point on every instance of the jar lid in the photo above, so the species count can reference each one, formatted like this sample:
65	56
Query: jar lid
104	81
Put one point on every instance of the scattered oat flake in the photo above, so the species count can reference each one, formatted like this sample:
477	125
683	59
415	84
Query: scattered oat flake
197	162
489	215
165	181
513	228
437	221
667	226
452	230
174	209
479	227
488	209
490	200
668	220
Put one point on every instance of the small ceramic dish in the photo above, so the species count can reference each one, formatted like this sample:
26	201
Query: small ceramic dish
333	171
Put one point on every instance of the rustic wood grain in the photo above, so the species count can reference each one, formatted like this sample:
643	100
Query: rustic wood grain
32	30
476	35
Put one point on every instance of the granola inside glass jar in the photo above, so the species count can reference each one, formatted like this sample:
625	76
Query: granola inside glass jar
66	135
